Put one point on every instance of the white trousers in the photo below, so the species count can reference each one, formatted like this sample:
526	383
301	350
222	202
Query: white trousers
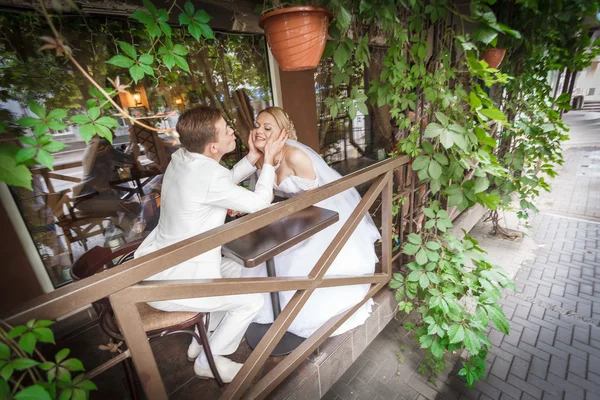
239	310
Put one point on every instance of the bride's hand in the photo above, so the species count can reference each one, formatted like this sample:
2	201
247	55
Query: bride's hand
274	146
253	153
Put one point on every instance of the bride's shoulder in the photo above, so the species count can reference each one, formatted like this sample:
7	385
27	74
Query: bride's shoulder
300	162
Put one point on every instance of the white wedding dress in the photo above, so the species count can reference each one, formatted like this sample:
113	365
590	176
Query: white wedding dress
356	258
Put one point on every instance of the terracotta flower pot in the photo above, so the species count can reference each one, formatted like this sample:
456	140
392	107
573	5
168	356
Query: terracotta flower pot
296	36
493	56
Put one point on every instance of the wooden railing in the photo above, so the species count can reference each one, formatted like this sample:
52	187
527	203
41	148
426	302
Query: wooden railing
125	285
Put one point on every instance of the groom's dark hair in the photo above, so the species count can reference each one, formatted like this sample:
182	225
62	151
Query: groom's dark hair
196	128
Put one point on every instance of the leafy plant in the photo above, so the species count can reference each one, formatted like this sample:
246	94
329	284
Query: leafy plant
25	373
478	135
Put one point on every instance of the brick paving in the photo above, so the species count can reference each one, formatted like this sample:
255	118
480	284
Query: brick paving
553	349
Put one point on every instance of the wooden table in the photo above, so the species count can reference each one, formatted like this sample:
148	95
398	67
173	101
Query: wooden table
263	245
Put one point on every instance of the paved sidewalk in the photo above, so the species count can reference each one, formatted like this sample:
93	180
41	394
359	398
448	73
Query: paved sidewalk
553	350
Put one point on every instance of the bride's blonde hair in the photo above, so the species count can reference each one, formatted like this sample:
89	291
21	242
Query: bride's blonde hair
283	120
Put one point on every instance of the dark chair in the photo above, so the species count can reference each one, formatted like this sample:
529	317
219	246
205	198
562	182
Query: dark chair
156	323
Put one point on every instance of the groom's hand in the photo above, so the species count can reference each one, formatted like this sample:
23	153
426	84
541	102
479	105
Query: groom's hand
274	146
253	153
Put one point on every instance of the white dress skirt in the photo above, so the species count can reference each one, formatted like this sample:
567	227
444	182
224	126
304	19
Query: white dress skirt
355	259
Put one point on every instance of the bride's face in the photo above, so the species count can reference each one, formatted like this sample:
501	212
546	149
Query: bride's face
264	127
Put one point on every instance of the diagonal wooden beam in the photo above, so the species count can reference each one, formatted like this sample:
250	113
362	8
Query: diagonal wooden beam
270	381
253	364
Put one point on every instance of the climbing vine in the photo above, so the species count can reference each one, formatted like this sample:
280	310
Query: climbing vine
477	135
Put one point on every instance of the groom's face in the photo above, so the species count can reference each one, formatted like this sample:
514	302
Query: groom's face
225	138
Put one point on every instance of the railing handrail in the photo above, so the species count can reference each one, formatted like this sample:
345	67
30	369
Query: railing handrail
79	294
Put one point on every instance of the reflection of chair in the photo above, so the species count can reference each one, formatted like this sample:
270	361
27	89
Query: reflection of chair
156	323
76	225
153	148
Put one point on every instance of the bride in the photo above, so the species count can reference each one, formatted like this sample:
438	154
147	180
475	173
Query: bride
298	170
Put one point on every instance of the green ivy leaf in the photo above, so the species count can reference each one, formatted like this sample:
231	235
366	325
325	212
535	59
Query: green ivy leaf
484	34
433	130
27	342
61	355
4	352
54	146
481	184
128	49
421	257
344	17
28	140
165	28
437	349
472	342
341	55
440	158
37	109
447	138
73	364
57	114
136	73
35	392
4	389
182	63
426	341
498	318
435	170
121	61
493	113
56	125
87	131
28	122
456	333
153	29
414	238
410	249
143	17
103	131
21	364
44	335
207	32
421	162
180	50
66	394
25	154
146	59
169	61
45	158
80	119
424	281
202	17
84	384
432	245
41	128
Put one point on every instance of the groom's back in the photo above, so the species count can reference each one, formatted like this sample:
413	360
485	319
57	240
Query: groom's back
184	211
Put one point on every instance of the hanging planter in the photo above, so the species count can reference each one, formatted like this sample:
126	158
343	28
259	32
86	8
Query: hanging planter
297	36
493	56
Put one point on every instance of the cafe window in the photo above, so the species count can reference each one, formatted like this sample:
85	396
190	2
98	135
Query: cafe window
103	194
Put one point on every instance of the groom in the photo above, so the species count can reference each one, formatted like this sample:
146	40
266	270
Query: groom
196	194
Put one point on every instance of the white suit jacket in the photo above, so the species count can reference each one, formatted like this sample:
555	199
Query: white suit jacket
196	193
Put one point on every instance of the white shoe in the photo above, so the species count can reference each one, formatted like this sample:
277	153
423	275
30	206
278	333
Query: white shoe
227	369
194	350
